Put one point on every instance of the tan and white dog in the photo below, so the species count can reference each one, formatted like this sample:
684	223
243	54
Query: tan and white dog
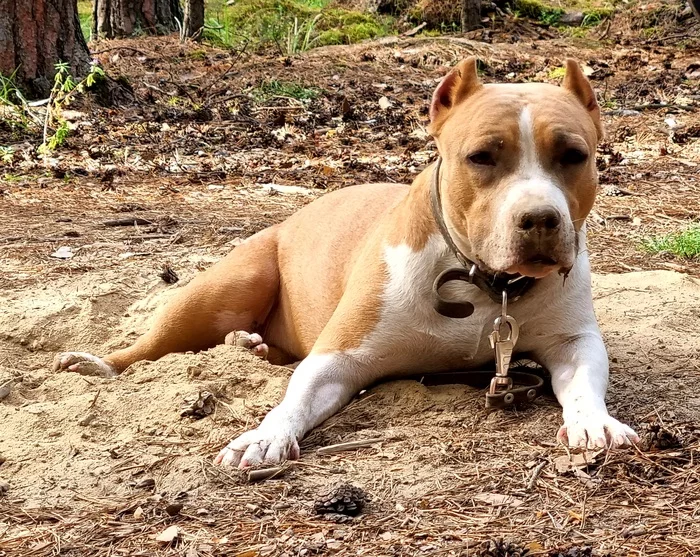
345	284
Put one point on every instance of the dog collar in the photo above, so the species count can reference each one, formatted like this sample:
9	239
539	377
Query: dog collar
493	284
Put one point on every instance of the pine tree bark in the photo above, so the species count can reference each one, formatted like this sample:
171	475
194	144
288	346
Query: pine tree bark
122	18
34	35
194	18
471	15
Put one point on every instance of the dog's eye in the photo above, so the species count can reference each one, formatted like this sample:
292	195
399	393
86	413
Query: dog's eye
482	158
573	156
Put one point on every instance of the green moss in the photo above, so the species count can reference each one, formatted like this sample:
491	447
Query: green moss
338	26
538	11
331	37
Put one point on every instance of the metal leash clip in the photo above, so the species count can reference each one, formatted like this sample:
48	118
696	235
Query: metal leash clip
503	346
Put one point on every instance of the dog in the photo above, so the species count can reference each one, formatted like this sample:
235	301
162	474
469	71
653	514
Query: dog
346	284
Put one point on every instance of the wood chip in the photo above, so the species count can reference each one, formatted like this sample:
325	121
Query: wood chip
349	446
168	535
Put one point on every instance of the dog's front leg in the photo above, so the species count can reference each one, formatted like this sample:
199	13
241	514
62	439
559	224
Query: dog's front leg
579	369
320	386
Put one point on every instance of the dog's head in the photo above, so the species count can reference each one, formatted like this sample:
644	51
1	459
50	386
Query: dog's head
518	175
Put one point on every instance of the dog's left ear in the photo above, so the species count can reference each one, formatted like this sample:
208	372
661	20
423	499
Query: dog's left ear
460	83
577	83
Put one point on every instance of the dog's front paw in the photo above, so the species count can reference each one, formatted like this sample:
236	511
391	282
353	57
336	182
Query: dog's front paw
83	363
596	430
267	444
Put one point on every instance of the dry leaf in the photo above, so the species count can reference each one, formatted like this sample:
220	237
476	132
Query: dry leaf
64	252
168	535
566	463
384	103
138	513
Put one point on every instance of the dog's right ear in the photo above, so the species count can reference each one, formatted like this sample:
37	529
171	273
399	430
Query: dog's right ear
459	84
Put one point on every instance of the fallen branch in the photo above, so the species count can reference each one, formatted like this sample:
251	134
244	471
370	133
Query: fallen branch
265	473
131	221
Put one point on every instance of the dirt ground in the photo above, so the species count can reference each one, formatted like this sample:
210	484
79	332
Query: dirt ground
96	467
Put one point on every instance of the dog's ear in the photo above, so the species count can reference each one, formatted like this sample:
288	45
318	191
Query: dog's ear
578	84
460	83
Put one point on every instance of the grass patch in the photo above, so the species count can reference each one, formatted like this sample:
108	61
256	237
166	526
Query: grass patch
85	16
273	88
684	244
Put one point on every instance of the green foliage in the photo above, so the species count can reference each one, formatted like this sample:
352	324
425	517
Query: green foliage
557	73
293	25
63	91
6	156
684	244
538	11
274	88
85	16
299	36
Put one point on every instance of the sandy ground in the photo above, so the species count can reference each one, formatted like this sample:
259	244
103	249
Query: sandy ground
78	450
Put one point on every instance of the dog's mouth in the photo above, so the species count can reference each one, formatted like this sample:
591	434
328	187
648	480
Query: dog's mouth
536	266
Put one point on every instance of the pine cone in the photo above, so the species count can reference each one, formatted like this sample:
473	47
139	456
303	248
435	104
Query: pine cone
500	548
344	499
657	437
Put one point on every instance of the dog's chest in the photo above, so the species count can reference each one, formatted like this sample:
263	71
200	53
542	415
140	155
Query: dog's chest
411	332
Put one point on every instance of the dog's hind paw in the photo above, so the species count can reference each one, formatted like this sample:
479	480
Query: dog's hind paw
595	431
252	342
83	363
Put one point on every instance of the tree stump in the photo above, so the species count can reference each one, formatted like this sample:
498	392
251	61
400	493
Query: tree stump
122	18
194	19
471	15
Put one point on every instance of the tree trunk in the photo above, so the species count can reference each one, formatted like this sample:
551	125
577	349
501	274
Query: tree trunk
194	18
34	35
121	18
471	15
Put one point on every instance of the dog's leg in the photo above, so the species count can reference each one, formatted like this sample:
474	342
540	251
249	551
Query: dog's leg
325	381
579	368
320	386
236	293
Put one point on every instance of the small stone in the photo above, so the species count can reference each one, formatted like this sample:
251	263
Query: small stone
3	460
572	18
334	545
4	487
138	513
87	419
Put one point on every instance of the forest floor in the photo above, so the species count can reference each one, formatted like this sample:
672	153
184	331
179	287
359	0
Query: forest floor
223	143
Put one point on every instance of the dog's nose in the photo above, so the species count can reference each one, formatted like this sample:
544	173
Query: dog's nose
540	219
